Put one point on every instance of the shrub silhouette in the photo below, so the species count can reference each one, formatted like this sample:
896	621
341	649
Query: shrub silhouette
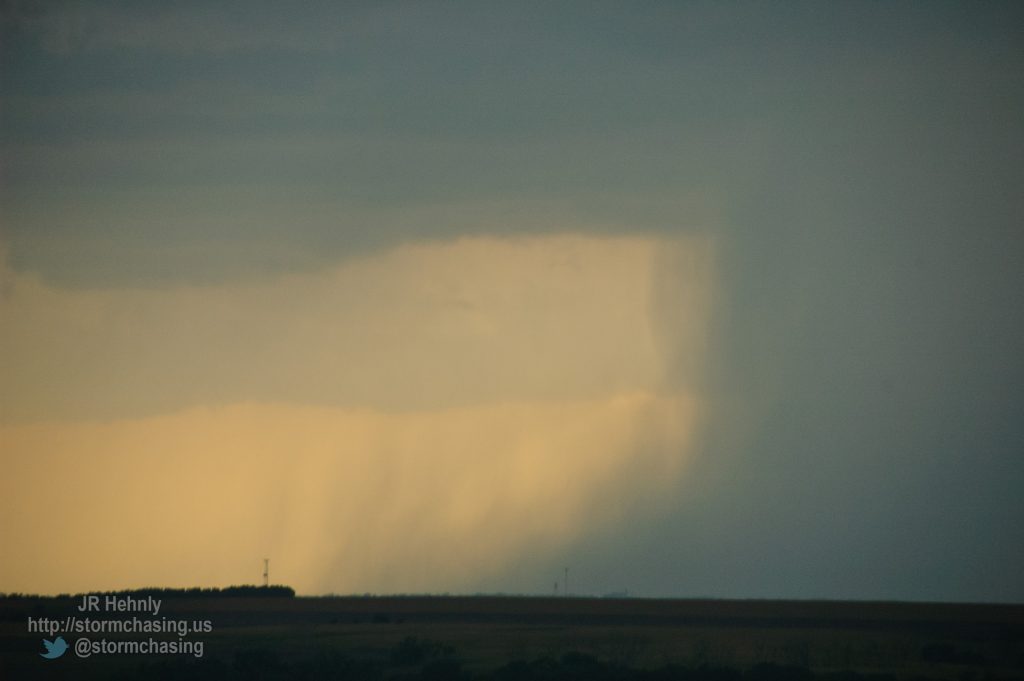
446	669
411	650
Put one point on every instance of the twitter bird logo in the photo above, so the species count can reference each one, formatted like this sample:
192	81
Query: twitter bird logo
55	648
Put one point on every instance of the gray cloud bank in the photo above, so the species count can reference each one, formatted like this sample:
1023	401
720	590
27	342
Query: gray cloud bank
859	167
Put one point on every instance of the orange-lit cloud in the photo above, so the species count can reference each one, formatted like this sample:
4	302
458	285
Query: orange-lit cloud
410	421
340	499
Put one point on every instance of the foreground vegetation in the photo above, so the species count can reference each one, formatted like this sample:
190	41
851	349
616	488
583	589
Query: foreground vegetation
271	636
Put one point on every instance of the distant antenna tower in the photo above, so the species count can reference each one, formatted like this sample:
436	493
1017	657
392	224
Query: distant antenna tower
566	581
556	587
266	572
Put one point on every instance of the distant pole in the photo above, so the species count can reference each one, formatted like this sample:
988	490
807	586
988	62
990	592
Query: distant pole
567	582
266	572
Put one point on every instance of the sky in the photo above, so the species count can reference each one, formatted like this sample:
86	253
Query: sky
693	299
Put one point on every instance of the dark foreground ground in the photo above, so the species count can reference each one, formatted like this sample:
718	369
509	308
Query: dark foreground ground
536	638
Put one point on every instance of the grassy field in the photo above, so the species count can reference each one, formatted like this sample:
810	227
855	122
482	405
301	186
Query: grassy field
538	638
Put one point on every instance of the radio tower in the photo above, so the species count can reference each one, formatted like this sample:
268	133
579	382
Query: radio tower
266	572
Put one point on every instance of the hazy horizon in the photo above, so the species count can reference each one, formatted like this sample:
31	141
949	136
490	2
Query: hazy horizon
696	299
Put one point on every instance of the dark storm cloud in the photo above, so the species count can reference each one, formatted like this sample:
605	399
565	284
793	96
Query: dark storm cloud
312	130
858	165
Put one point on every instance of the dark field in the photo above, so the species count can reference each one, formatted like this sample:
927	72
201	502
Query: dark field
539	638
